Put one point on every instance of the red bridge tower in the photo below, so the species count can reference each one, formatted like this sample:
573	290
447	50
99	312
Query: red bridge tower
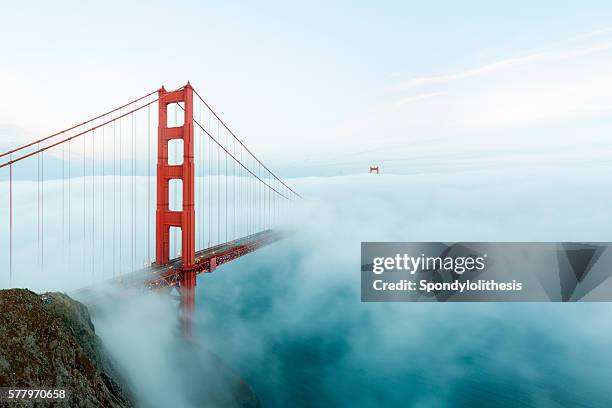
185	218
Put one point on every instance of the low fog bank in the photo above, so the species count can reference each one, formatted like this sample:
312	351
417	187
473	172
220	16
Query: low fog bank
289	317
141	332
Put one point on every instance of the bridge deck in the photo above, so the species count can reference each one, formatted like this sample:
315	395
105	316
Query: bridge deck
167	276
209	259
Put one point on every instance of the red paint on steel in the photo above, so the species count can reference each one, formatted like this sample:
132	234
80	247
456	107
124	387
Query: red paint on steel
184	219
208	263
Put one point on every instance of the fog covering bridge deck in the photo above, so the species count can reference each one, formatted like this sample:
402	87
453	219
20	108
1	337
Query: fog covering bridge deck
159	277
209	259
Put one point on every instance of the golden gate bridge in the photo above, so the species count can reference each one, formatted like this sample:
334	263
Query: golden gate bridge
207	201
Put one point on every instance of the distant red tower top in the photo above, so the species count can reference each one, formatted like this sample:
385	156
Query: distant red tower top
374	169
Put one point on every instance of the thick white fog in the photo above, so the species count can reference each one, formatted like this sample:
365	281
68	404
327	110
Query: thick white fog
291	320
77	232
289	317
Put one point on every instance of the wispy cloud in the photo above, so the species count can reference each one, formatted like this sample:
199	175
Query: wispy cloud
509	63
584	51
596	33
415	98
544	97
469	73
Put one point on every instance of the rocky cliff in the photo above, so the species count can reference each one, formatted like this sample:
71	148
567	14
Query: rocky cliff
48	340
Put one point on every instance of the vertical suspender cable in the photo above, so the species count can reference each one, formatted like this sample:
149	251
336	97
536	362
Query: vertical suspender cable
120	201
93	204
263	203
205	182
260	209
253	213
63	208
264	194
259	203
42	209
201	183
133	200
38	208
226	229
149	186
254	201
84	202
248	197
135	187
210	180
11	223
211	191
70	205
114	193
234	189
103	197
218	187
240	183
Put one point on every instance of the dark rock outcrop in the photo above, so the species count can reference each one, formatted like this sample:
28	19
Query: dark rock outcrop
49	341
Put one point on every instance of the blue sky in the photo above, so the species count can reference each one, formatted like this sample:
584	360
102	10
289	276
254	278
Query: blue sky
320	88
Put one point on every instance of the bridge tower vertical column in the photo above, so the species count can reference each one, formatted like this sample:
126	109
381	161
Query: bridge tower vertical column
184	219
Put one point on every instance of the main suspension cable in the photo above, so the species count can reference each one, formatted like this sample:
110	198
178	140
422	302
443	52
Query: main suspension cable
239	141
10	152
